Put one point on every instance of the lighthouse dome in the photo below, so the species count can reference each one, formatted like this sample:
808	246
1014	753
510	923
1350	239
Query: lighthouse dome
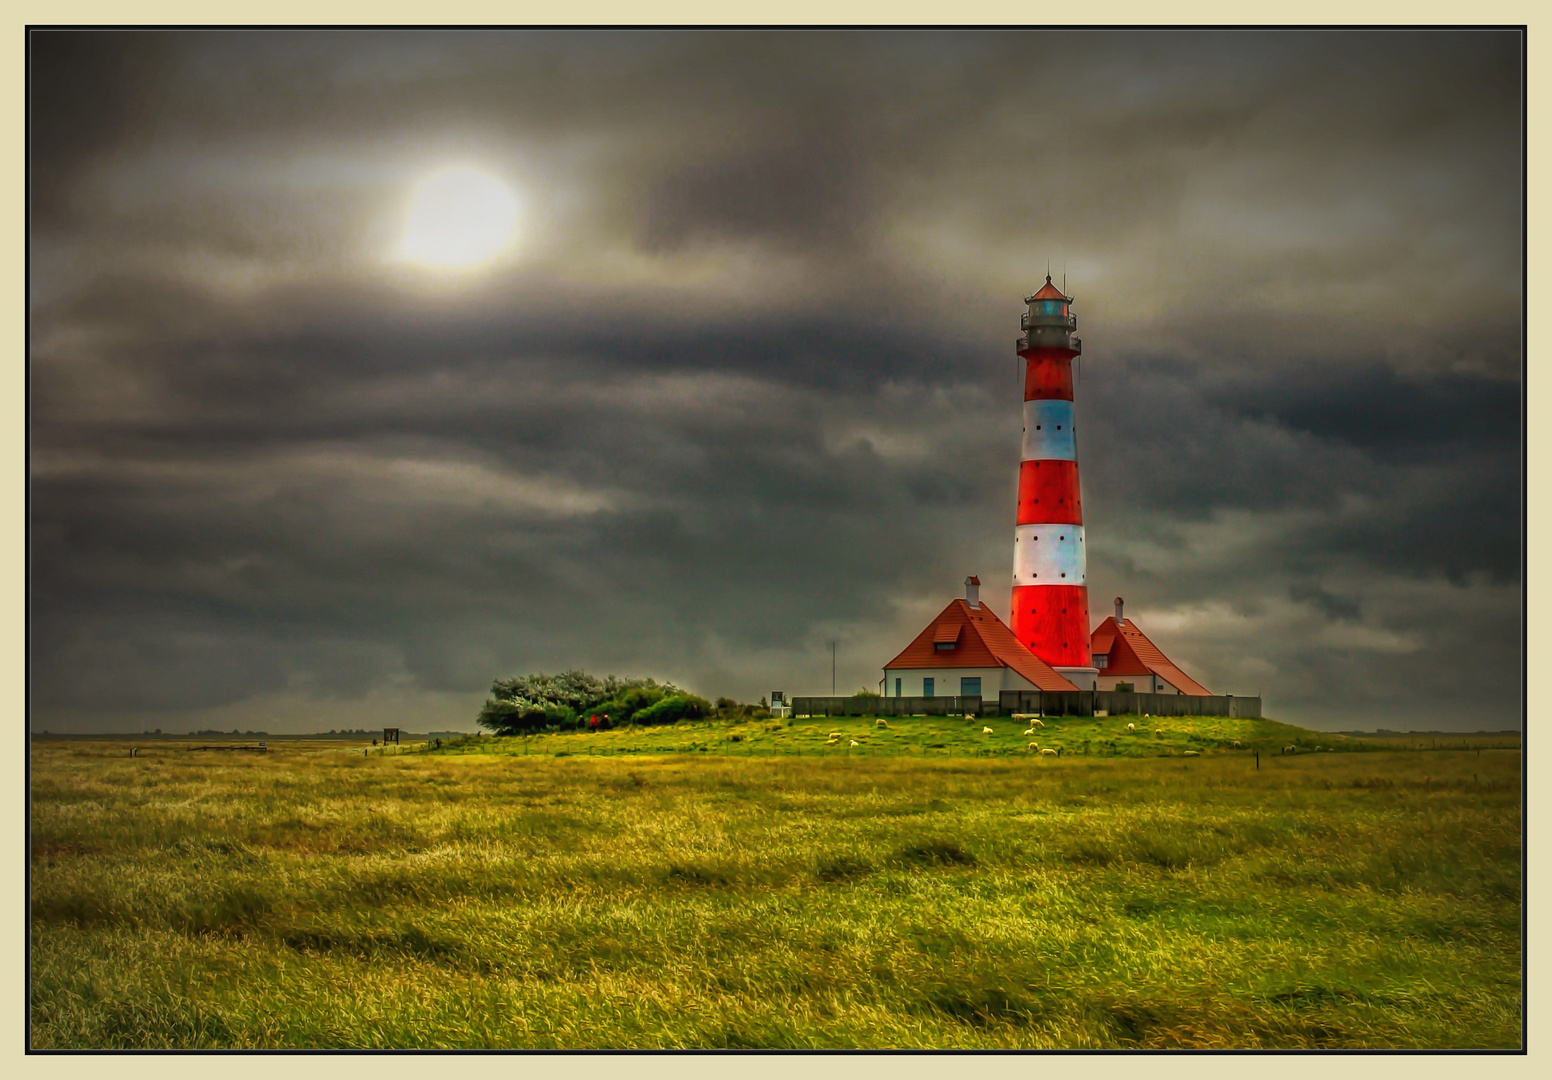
1048	292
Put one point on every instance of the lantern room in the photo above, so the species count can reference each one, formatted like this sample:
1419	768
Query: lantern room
1048	324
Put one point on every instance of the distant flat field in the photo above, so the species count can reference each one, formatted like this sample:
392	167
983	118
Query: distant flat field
933	886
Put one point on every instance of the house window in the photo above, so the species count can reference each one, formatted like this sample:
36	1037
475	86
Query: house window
1101	661
927	686
944	646
970	687
897	687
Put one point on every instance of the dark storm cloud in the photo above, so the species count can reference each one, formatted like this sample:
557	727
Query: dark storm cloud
749	386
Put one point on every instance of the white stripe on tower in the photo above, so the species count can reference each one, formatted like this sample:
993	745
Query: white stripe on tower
1049	433
1049	555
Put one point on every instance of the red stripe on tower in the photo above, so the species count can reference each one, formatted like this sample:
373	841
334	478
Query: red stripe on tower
1050	605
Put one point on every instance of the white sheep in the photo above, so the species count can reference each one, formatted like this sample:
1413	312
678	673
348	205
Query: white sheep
1290	750
1048	752
1034	746
1031	731
1158	731
835	734
881	722
1131	727
854	742
1236	744
1036	722
986	731
1191	753
1023	716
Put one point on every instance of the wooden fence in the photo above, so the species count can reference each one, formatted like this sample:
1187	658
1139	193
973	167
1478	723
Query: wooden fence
1042	703
887	706
1120	702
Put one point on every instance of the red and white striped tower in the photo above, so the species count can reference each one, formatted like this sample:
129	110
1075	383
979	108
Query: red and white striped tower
1050	571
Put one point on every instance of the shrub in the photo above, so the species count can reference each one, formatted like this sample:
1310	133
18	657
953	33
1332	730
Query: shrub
509	718
1124	687
628	706
674	708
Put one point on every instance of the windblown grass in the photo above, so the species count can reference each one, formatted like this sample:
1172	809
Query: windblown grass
469	898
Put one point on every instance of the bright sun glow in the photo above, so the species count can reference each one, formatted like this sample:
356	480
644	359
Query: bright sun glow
459	218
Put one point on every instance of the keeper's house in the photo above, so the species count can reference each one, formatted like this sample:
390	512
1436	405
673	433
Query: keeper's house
1123	654
968	650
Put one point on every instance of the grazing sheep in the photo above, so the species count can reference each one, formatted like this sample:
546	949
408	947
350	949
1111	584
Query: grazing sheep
1290	749
1034	746
854	742
986	731
1236	744
1037	722
1031	731
1191	753
969	716
1048	752
881	722
1131	727
1159	731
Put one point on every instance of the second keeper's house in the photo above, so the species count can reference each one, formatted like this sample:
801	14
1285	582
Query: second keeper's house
1123	654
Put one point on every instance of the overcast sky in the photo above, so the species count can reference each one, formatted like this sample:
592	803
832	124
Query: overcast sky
745	382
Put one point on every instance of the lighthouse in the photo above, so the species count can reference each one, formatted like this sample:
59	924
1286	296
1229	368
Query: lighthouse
1050	606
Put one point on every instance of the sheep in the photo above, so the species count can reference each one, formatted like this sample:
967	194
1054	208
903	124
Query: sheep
1236	744
1036	722
835	735
986	731
1131	727
1048	752
1158	731
1191	753
1290	749
1031	731
881	722
854	742
1034	746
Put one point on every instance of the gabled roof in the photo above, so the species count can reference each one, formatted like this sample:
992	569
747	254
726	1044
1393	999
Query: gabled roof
984	641
1049	292
1131	653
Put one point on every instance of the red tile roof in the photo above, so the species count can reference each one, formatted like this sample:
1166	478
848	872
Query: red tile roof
1049	292
984	641
1131	653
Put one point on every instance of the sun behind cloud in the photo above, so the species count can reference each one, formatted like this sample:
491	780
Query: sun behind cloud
459	218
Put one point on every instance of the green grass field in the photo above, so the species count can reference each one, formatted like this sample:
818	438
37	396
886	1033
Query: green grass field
931	887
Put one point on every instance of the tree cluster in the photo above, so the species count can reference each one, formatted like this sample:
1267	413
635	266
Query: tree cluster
576	699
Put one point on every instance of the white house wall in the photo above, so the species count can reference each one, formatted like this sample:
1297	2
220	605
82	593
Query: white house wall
993	680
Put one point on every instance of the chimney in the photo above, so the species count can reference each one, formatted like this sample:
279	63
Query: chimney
973	592
1119	620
